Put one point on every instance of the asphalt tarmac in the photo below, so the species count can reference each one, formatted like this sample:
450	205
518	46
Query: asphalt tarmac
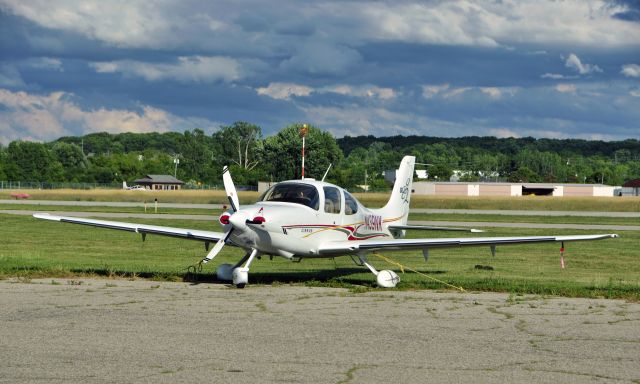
100	330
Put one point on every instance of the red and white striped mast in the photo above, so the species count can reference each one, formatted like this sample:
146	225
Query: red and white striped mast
303	132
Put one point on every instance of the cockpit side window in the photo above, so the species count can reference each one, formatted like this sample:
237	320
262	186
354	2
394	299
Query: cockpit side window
350	204
332	200
304	194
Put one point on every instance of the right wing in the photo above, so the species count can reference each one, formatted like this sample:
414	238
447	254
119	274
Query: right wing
431	228
191	234
350	247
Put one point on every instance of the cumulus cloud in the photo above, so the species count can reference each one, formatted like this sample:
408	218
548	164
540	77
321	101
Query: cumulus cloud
557	76
447	92
565	88
493	92
367	91
49	63
10	77
429	91
575	63
355	120
322	58
192	69
503	133
121	23
47	117
489	24
467	22
284	91
631	70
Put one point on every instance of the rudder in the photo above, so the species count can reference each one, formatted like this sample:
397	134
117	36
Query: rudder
398	205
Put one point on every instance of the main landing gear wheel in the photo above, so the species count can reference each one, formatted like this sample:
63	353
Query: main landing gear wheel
387	279
384	278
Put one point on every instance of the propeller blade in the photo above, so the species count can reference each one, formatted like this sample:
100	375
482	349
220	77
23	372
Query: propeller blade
230	189
217	248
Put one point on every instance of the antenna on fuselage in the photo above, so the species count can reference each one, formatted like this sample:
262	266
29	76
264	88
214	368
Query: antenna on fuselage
327	171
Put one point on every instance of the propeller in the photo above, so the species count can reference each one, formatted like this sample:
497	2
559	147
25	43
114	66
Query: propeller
237	220
230	189
217	248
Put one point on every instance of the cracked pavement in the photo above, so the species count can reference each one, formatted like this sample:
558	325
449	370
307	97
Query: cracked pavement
104	330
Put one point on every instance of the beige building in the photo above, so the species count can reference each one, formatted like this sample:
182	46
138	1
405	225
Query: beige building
510	189
160	182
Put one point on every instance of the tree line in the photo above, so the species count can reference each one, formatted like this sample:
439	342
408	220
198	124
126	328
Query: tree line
356	161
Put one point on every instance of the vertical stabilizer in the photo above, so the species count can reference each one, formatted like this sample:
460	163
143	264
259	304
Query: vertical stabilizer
124	185
398	205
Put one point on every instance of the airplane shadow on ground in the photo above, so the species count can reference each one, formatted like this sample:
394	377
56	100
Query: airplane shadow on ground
356	276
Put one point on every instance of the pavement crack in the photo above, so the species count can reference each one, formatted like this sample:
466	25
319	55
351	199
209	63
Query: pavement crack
349	374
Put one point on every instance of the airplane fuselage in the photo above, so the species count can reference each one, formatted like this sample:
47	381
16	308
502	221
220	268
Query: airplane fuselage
296	228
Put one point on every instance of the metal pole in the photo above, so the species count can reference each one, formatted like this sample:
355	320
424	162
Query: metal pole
303	157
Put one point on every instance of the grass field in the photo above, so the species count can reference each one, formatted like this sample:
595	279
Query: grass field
611	268
613	204
414	216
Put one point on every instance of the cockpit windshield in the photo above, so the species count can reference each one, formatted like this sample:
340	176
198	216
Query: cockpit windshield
304	194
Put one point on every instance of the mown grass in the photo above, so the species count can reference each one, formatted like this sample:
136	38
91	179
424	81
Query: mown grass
610	268
150	209
544	203
413	216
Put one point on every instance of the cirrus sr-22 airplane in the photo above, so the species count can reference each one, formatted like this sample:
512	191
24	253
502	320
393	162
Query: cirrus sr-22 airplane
305	218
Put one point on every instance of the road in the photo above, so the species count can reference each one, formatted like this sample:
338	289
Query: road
413	210
99	330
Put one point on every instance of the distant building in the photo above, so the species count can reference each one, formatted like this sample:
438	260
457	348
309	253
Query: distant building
264	185
631	188
160	182
390	175
510	189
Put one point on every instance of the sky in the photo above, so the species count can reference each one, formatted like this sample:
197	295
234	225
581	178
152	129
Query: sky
555	69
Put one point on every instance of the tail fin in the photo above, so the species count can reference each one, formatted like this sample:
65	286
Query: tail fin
398	205
124	185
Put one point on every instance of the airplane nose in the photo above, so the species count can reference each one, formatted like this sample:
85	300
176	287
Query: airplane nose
239	220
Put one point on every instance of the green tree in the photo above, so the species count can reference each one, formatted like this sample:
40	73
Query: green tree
524	174
29	161
195	155
72	160
282	153
441	172
239	143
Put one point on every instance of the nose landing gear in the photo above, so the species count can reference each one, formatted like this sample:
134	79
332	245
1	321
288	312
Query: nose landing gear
235	273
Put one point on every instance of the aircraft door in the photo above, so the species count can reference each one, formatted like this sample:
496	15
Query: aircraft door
332	205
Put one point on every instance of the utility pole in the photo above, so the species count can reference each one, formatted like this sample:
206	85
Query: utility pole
176	161
303	132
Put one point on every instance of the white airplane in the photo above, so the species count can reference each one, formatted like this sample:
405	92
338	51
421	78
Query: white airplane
299	219
133	187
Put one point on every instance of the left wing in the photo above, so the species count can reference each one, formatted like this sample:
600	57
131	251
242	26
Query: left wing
191	234
347	247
